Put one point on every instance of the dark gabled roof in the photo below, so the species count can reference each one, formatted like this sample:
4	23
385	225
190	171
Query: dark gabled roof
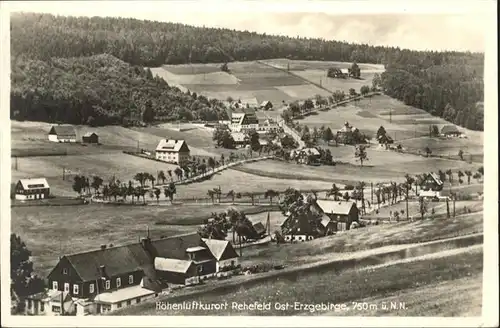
259	227
449	129
133	257
90	134
63	130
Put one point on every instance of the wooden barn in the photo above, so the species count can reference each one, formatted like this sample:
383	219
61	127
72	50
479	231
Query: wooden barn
90	137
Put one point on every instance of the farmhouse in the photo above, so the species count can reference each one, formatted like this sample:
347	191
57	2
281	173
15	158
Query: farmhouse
29	189
266	105
431	186
90	137
62	133
224	253
450	131
297	230
240	139
115	277
172	151
347	128
341	213
266	126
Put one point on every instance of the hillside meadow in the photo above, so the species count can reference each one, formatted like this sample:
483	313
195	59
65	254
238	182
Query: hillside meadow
51	231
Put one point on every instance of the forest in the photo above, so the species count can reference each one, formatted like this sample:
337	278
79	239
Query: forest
100	90
447	84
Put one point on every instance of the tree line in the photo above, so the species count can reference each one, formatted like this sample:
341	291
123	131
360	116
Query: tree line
151	43
100	90
446	84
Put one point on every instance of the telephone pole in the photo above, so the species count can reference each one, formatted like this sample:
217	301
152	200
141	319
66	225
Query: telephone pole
63	173
390	115
15	163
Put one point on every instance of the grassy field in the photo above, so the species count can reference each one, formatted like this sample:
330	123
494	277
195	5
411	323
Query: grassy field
50	231
460	297
254	82
349	286
365	238
375	170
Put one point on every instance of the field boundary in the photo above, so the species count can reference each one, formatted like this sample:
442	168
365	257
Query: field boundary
365	258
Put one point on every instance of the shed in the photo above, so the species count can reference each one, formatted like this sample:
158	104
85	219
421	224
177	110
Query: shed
90	137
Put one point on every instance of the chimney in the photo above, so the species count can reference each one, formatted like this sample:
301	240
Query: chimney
103	247
175	141
102	271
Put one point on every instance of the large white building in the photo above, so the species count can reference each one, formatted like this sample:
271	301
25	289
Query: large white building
30	189
172	151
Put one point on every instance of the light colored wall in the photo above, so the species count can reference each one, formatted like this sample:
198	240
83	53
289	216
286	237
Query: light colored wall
53	137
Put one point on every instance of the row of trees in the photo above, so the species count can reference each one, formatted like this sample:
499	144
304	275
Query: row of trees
219	225
100	90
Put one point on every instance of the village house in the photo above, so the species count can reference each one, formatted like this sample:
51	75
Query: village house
431	186
30	189
450	131
62	133
268	125
172	151
266	105
346	129
240	139
305	155
341	214
244	120
224	253
110	278
90	137
297	230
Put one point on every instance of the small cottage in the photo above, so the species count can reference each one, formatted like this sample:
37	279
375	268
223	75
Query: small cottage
31	189
450	131
431	186
90	137
62	133
50	302
224	253
266	105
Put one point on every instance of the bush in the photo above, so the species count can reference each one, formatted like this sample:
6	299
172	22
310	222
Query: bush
349	187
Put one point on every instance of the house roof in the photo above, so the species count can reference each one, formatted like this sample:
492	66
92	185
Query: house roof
238	136
133	257
259	227
324	221
335	207
89	134
122	294
265	103
436	178
449	129
63	130
34	183
172	145
195	249
217	247
172	265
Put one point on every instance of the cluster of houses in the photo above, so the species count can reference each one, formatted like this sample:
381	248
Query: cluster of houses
110	278
336	216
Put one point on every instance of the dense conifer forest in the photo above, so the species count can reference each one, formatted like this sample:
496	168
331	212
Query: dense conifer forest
78	69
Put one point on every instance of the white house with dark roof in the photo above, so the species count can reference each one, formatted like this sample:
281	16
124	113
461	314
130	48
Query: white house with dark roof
341	213
172	151
30	189
431	186
450	130
224	253
62	133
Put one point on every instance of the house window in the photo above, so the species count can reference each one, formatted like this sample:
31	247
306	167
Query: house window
66	287
56	308
91	288
30	304
54	285
129	302
118	282
138	300
200	269
65	271
42	306
75	289
130	279
119	305
108	284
